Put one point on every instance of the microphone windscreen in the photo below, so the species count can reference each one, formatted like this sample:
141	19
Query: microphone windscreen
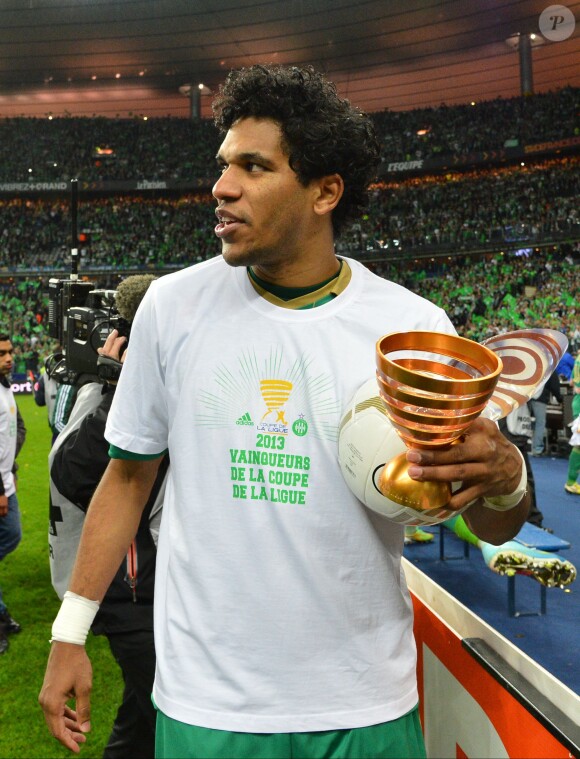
130	293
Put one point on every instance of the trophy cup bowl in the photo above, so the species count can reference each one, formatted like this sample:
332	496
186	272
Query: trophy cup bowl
433	386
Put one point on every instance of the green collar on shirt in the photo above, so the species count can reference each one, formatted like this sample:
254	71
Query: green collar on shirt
298	298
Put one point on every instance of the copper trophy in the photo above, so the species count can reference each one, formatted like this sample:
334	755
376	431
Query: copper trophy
434	386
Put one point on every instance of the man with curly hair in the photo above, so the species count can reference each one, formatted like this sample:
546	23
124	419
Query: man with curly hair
283	626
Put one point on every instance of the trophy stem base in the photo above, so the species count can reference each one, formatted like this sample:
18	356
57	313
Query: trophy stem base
394	483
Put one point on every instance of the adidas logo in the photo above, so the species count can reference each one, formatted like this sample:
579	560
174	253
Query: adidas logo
245	419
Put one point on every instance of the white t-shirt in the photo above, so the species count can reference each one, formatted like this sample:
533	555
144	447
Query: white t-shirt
280	603
8	428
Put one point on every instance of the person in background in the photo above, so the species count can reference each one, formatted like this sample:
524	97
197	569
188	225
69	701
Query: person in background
516	558
12	435
77	462
518	429
565	367
539	404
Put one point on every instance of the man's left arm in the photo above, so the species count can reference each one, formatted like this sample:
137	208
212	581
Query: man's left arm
489	467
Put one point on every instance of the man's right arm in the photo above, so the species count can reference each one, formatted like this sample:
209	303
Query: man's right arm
111	524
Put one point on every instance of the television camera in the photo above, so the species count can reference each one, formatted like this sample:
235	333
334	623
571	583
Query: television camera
80	318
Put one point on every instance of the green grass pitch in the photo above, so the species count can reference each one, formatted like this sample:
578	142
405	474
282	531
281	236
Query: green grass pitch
25	581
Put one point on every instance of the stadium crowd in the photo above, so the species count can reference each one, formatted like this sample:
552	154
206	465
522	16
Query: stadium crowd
58	149
484	295
459	130
529	202
452	212
52	150
475	211
497	293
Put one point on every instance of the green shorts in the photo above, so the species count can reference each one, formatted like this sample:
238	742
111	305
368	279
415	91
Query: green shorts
399	739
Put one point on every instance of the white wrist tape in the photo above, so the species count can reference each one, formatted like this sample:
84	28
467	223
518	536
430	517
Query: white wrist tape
507	502
74	619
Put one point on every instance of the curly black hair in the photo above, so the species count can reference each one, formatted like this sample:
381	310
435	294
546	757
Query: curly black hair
322	133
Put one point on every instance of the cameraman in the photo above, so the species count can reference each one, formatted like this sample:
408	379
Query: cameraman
126	614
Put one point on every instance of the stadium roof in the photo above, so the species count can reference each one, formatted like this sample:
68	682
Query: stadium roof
120	57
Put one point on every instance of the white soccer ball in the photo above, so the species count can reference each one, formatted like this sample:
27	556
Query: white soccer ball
366	442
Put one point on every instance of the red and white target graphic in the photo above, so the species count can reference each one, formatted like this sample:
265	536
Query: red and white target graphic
529	357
